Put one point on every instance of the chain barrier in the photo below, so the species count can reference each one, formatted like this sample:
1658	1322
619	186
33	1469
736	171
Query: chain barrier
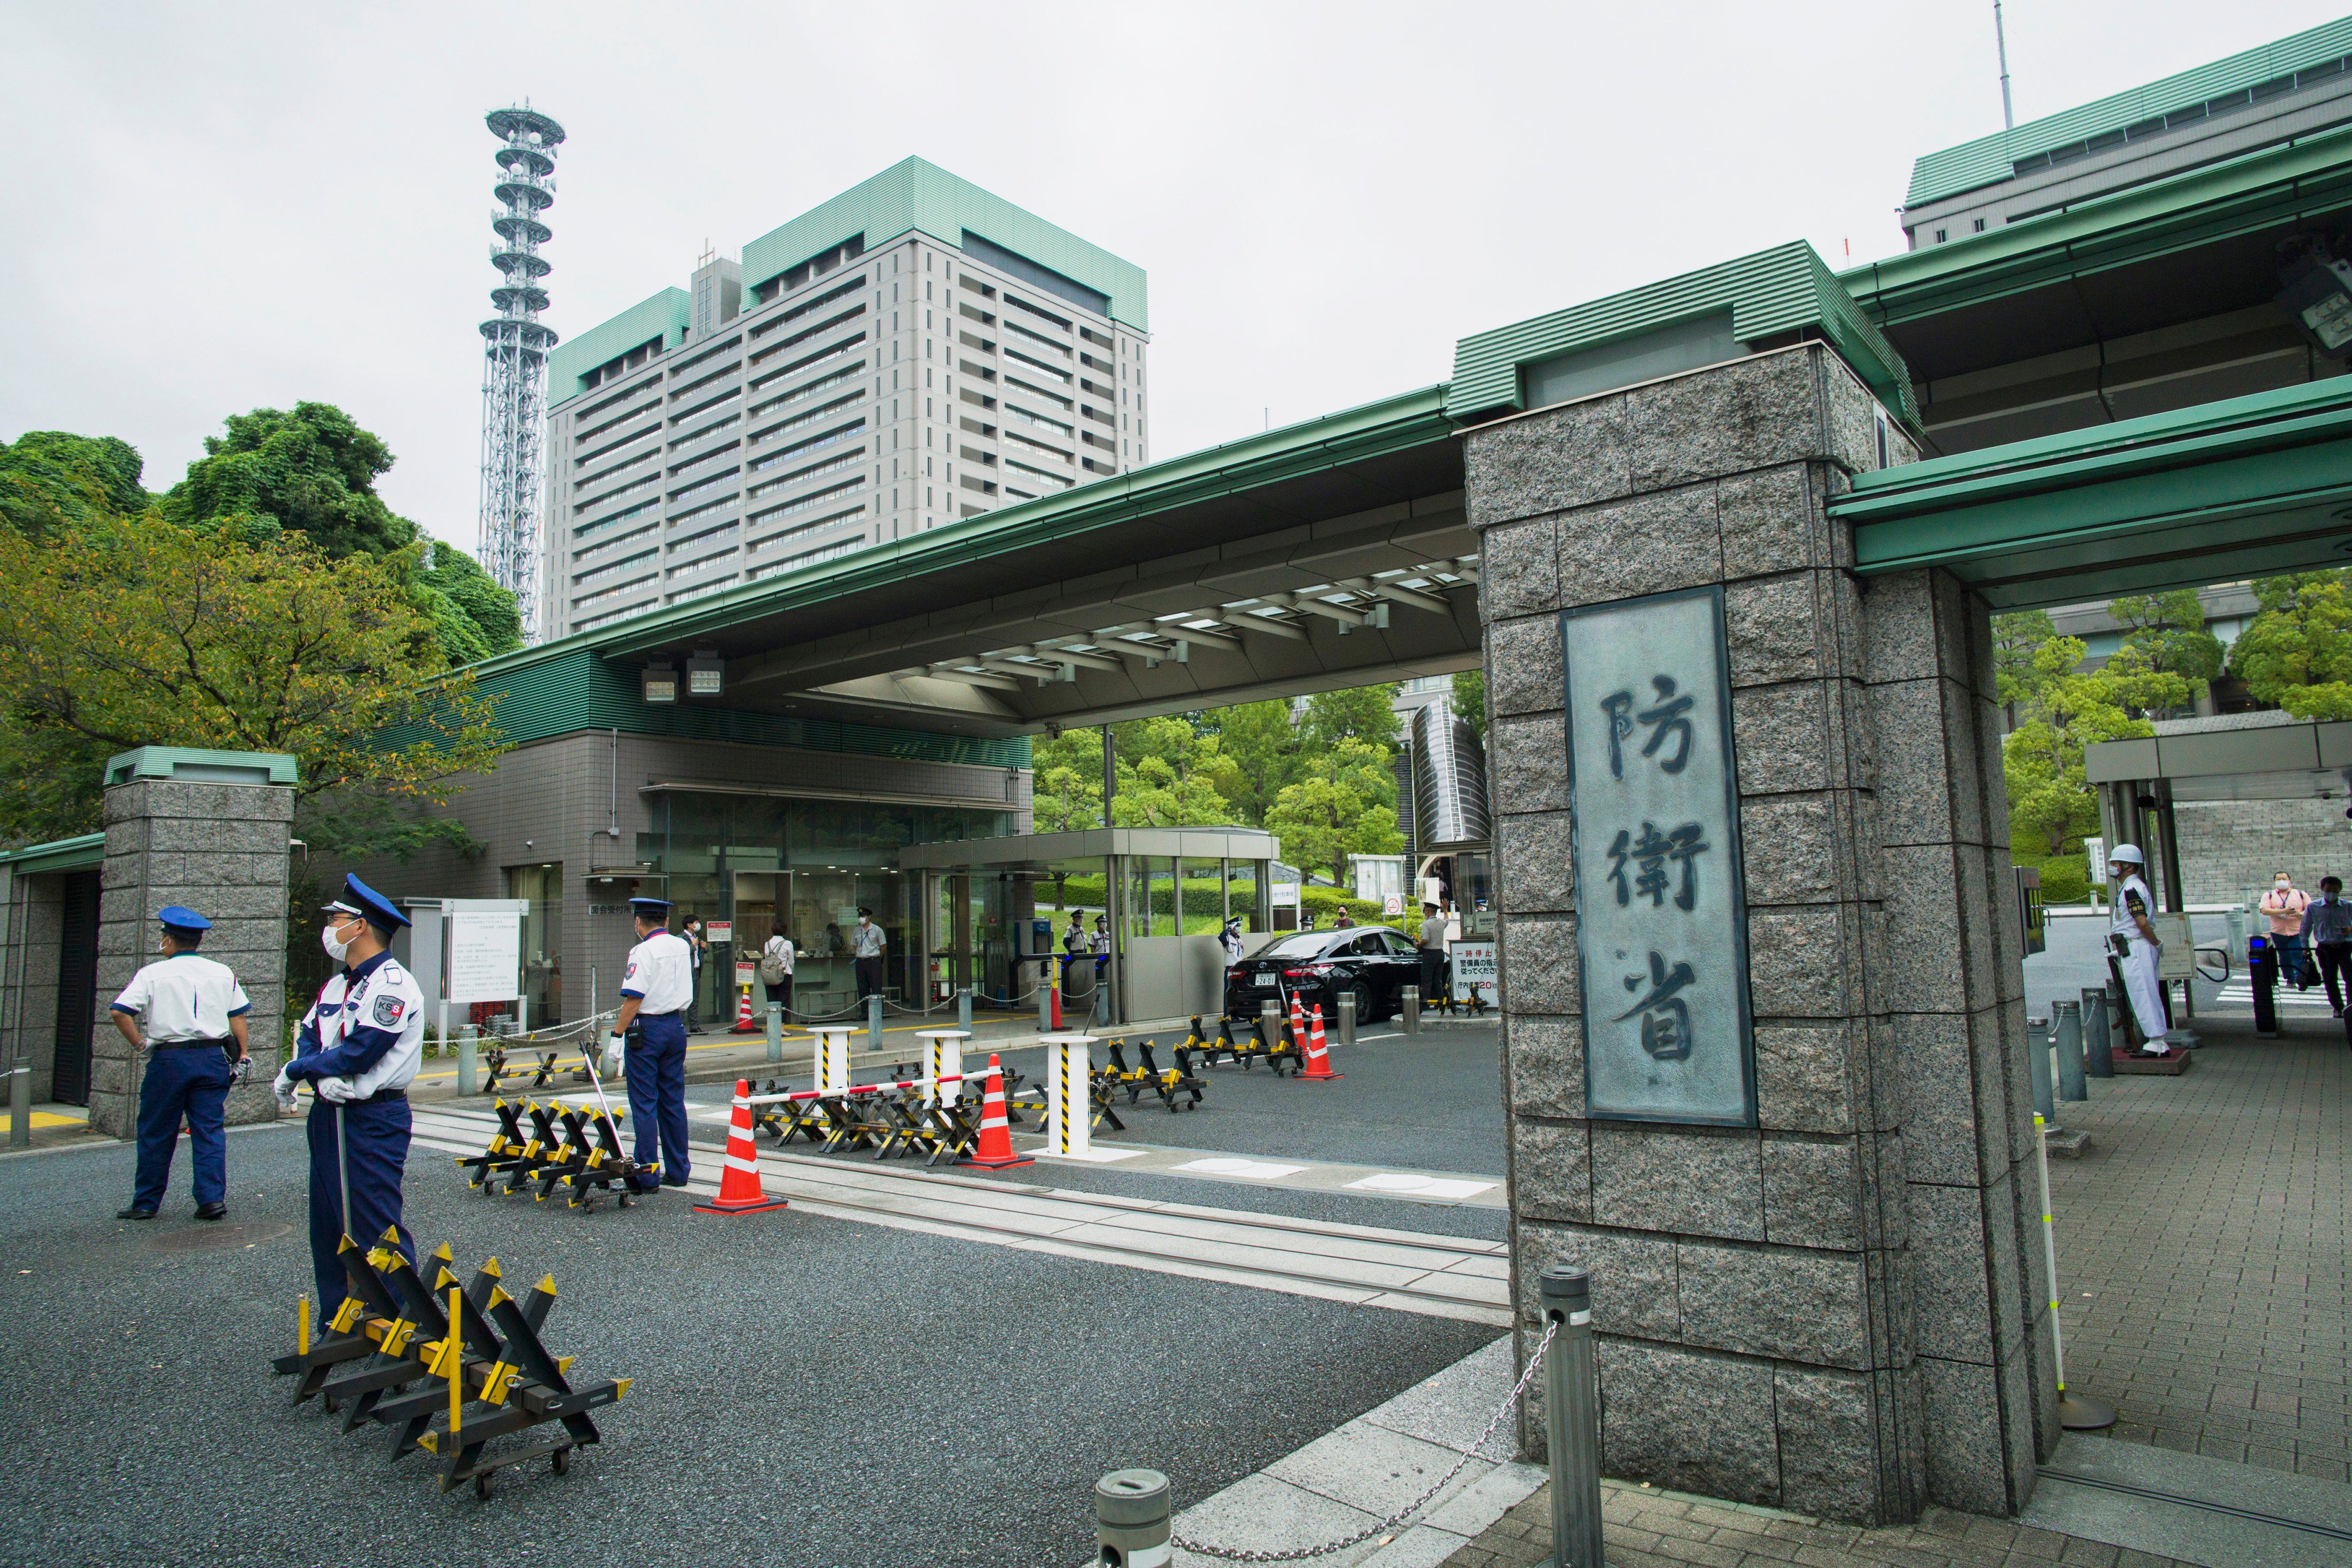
1297	1554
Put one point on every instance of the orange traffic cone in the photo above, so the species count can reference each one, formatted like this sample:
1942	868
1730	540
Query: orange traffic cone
995	1149
743	1023
1318	1057
740	1190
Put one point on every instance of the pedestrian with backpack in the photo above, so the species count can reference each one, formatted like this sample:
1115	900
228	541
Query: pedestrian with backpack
776	972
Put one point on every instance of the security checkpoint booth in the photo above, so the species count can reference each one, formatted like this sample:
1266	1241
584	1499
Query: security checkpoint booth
994	911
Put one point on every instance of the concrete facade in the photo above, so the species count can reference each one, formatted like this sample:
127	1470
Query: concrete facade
29	1025
222	849
2230	848
1833	1312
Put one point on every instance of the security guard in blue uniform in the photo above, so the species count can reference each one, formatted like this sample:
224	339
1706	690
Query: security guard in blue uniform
359	1048
655	990
195	1027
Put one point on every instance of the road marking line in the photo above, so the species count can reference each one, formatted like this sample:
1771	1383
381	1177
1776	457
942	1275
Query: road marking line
1424	1186
1257	1170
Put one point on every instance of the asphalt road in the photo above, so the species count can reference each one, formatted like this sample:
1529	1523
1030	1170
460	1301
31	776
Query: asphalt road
809	1391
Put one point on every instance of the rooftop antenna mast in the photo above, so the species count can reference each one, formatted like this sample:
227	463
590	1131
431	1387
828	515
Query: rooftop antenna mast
514	348
2001	42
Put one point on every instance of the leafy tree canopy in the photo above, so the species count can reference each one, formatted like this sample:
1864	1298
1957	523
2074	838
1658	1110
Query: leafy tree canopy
1344	804
2297	650
1470	701
49	475
1365	713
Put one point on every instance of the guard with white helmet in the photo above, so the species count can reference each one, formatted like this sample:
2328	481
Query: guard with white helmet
194	1014
656	989
359	1048
2133	942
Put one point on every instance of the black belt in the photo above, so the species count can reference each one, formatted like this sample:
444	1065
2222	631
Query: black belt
219	1045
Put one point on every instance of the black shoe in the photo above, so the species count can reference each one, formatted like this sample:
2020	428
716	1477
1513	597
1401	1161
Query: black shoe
212	1210
668	1183
134	1212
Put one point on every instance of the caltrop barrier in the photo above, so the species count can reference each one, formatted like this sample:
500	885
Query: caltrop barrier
575	1148
404	1355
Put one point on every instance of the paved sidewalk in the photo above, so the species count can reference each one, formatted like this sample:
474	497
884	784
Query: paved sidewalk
2201	1258
1644	1528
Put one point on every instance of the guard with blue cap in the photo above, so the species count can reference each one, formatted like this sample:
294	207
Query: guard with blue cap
654	990
195	1012
359	1048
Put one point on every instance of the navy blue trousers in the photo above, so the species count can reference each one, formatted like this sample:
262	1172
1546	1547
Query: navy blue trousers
379	1154
190	1080
657	1096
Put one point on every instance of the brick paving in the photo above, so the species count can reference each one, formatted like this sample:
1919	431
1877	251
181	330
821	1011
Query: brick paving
1647	1529
2201	1260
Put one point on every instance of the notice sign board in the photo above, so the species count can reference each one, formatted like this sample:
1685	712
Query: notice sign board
720	930
1474	970
482	948
1662	930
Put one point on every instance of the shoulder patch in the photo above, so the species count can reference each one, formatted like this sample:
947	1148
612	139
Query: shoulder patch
388	1010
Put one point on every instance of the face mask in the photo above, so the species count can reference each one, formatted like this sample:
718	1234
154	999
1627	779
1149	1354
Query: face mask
335	950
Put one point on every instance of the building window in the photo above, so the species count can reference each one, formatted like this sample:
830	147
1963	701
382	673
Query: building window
1941	236
1980	226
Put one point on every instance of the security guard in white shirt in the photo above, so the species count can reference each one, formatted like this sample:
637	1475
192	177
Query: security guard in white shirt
2131	939
654	990
195	1024
359	1048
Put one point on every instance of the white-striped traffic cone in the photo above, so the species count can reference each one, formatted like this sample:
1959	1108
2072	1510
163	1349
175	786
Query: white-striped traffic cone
743	1023
995	1149
1318	1055
740	1190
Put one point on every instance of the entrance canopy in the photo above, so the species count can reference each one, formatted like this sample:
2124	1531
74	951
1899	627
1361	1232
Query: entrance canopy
1038	851
2267	757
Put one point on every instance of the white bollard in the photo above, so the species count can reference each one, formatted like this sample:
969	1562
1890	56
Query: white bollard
1069	1099
832	1058
945	1059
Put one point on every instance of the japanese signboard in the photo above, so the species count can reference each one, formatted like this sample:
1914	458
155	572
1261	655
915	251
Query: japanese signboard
482	952
1474	970
1661	931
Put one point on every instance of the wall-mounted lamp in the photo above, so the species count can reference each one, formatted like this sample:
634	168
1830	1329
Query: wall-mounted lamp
706	673
661	683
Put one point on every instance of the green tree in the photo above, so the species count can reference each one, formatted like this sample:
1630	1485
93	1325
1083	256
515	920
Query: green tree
313	471
2016	638
1168	775
1343	804
2297	650
1259	742
133	632
52	476
2050	801
1365	713
1065	771
1470	701
2165	634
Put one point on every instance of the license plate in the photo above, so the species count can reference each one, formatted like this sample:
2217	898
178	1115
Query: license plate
1265	982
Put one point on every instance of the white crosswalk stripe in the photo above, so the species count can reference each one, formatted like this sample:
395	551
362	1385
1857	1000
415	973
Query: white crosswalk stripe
2240	993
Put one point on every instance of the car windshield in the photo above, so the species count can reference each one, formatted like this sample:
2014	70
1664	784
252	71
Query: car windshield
1306	945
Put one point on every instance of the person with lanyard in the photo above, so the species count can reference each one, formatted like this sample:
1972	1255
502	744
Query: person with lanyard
2285	905
2131	939
866	946
654	990
359	1048
2327	927
195	1019
776	970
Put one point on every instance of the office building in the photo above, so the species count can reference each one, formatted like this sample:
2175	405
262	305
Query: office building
912	353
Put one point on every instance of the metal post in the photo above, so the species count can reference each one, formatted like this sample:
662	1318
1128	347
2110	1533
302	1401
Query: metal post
874	1023
963	1008
1131	1525
776	1031
2037	1055
2099	1051
1409	1005
1572	1420
2066	1033
1269	1017
1347	1017
1045	992
20	1106
15	955
2074	1413
468	1058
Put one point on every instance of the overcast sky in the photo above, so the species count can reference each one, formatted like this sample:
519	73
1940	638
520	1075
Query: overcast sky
211	208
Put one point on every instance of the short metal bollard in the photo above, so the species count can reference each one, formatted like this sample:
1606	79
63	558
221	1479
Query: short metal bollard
2037	1056
963	1008
2098	1045
1131	1525
1347	1017
1269	1017
776	1031
874	1022
1409	1008
2066	1032
1045	995
468	1060
1572	1420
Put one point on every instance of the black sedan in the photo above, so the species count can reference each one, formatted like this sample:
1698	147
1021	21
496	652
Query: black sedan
1376	963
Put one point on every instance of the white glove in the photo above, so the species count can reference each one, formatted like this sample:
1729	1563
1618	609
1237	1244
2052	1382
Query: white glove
282	1085
338	1090
613	1055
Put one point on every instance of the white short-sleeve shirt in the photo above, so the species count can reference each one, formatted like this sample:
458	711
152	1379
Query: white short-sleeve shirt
869	941
186	998
660	972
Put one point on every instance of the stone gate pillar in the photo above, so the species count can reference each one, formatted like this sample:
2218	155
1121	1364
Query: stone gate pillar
1825	1300
207	829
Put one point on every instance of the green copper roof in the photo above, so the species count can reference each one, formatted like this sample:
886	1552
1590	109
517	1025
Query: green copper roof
1779	293
1989	160
914	195
81	854
664	316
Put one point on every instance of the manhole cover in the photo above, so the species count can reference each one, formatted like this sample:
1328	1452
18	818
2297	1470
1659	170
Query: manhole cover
218	1238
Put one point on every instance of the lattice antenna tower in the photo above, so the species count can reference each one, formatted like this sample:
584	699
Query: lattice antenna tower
514	360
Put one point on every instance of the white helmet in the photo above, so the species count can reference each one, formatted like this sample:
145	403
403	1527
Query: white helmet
2126	855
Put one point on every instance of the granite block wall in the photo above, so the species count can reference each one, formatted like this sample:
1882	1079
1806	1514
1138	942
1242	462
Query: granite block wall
1830	1313
223	850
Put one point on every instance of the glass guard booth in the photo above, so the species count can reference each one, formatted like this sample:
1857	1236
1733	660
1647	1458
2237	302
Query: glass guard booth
1145	906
